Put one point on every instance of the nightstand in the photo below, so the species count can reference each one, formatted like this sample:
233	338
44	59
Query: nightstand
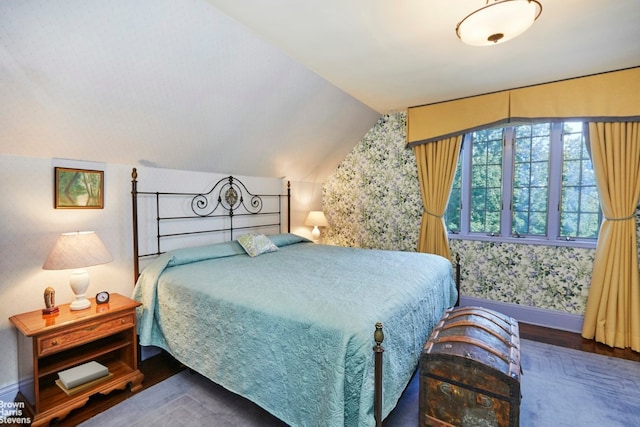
50	343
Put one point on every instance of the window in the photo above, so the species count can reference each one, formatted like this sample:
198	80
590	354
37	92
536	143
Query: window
580	214
532	182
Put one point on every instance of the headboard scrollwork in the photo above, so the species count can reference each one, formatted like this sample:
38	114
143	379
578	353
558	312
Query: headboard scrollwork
228	194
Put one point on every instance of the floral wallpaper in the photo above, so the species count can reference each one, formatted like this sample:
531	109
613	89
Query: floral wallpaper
372	200
550	277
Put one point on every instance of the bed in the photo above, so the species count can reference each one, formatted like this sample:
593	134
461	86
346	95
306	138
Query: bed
289	324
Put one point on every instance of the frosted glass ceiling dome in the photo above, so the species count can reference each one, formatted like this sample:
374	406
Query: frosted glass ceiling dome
498	21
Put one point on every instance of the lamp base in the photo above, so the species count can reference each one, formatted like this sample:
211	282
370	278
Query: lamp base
315	234
79	282
80	304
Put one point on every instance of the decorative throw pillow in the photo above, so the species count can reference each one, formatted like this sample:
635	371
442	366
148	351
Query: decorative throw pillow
256	244
285	239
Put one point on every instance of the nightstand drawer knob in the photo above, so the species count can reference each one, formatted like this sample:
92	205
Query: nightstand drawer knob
54	342
123	321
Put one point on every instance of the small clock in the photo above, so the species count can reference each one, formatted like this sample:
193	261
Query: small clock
102	297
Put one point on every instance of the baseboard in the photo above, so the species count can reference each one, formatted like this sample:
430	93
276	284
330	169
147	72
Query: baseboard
7	396
532	315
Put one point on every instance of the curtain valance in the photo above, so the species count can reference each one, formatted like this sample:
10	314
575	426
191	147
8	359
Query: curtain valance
609	96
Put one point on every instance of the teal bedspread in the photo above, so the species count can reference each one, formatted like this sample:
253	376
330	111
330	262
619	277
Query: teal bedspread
292	330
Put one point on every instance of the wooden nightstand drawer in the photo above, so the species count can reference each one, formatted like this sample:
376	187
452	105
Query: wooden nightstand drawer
87	333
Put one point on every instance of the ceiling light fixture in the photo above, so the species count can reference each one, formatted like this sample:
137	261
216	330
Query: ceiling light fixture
498	21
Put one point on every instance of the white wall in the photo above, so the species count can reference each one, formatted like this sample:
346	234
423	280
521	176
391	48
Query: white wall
29	226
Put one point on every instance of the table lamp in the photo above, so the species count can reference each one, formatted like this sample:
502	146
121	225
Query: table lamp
75	251
316	219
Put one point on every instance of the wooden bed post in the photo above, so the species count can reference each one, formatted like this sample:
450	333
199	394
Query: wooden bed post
378	337
134	207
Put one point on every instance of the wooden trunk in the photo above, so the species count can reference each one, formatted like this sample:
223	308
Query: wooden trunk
470	370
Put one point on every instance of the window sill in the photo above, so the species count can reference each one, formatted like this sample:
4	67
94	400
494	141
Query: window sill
584	244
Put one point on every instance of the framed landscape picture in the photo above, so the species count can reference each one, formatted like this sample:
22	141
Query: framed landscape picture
78	189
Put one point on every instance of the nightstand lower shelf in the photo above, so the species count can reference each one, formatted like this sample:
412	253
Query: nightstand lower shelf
55	403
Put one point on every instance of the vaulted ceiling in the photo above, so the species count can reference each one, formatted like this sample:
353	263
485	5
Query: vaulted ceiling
265	88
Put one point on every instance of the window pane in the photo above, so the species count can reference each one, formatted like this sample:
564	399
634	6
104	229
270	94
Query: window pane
478	221
493	222
589	225
494	151
494	199
478	199
540	148
590	200
494	176
486	181
569	224
520	197
572	172
540	173
572	127
541	129
580	206
539	199
452	216
522	175
531	177
588	176
573	146
570	199
523	131
538	224
479	151
479	176
522	152
520	222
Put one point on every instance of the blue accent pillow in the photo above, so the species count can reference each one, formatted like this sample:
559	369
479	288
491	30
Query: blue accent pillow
201	253
285	239
256	244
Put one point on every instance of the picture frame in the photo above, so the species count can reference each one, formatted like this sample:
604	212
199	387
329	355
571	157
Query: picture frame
78	188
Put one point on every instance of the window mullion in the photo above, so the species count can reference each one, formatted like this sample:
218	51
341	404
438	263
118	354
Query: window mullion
555	181
507	181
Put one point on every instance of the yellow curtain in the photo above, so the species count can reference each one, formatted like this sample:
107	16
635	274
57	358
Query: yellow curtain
436	169
613	308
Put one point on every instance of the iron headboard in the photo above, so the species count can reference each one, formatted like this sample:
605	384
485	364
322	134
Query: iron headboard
227	199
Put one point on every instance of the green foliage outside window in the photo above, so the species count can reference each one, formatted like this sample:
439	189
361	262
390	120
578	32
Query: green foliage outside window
486	181
580	213
535	201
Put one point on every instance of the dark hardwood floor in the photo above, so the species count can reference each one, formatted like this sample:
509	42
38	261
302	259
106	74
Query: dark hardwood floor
162	366
574	341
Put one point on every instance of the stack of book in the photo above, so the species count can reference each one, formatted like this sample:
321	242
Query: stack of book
81	377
